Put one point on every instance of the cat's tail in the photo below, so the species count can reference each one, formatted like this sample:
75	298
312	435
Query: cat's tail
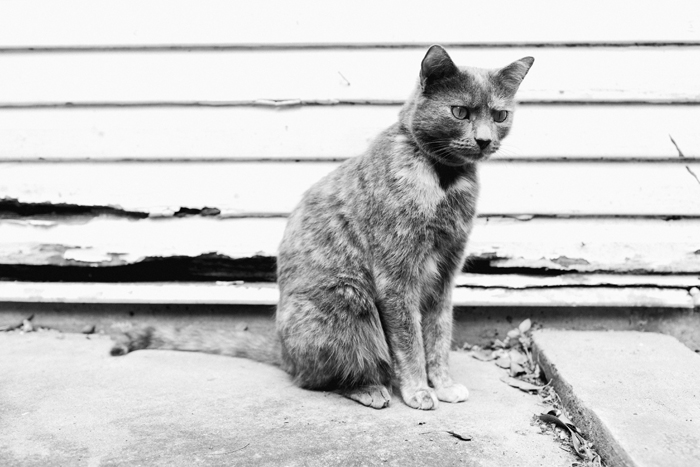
233	343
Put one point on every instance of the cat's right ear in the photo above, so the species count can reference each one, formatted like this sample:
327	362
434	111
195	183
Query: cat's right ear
436	65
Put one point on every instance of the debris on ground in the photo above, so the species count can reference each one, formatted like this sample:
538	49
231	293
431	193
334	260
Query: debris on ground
25	325
462	436
514	353
457	434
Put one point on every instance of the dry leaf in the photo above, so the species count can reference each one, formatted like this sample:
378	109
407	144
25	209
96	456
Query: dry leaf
580	445
27	326
525	326
484	357
517	357
523	386
503	362
516	369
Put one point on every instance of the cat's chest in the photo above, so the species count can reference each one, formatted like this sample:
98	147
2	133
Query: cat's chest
452	219
421	187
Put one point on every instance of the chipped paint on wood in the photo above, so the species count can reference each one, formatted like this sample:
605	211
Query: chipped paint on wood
274	188
521	281
496	245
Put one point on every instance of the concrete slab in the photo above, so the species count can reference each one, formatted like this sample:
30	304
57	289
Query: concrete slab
636	395
64	401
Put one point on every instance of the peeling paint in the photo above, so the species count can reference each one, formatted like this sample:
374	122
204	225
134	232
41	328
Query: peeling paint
11	208
79	267
38	213
206	211
96	258
568	262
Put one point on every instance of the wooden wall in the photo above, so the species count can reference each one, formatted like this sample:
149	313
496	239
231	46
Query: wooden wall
179	134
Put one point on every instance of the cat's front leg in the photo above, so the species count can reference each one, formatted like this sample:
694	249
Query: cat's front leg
401	319
437	320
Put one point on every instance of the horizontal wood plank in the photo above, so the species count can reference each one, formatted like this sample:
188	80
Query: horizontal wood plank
158	22
579	74
250	188
268	294
571	245
591	132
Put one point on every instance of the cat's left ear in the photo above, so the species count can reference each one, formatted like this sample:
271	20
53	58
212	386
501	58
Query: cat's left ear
511	76
436	65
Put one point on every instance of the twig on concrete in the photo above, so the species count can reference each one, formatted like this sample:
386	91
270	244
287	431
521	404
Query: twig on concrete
229	452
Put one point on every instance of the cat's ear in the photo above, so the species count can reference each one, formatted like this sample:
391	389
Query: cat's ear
511	76
436	65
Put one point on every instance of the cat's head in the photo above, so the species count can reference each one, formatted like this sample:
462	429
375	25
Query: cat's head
460	115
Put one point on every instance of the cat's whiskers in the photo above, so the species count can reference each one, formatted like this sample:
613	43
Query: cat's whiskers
436	155
509	150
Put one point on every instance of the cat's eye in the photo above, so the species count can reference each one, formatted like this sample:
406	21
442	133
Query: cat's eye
460	112
500	116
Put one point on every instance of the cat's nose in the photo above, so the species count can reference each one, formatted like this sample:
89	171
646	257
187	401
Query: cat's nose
483	143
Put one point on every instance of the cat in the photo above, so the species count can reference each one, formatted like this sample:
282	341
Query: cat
367	262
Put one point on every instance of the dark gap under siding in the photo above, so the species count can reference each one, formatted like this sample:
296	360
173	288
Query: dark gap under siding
203	268
215	267
12	209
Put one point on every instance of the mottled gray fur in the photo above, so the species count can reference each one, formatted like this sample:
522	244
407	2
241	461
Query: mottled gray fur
367	263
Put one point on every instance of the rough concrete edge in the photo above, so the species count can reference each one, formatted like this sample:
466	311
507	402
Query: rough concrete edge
583	417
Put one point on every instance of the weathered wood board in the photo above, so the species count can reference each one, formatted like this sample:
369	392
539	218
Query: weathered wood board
168	22
253	188
575	245
268	294
330	132
378	75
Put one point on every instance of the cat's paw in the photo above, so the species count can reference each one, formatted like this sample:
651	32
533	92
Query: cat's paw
454	393
422	399
376	396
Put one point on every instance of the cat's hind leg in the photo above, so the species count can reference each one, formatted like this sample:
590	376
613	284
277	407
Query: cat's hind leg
333	339
376	396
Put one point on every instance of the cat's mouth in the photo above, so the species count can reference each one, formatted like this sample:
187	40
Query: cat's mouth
468	154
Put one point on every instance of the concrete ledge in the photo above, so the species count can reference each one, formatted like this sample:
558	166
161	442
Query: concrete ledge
475	325
66	402
635	395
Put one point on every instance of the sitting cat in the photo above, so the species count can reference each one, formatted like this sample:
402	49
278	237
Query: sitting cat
368	259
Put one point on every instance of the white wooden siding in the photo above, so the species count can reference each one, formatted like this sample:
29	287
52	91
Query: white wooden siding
331	132
346	75
164	23
150	108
